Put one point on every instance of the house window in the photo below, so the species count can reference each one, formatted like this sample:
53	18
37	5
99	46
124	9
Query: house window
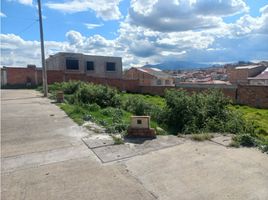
159	82
139	121
110	66
72	64
90	66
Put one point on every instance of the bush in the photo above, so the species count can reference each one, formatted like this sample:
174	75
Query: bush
102	95
91	107
117	128
160	131
138	106
203	112
245	140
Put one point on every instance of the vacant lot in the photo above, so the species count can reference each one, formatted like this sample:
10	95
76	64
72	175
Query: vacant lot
43	157
175	113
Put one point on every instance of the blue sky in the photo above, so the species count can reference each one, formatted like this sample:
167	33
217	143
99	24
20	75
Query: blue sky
140	31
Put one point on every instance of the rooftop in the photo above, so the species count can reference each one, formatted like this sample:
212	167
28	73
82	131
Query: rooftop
263	75
80	54
154	72
248	67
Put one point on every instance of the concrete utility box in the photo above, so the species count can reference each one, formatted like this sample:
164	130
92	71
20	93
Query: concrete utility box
60	96
140	127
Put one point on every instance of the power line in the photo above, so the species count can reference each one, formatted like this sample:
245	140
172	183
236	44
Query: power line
28	27
20	18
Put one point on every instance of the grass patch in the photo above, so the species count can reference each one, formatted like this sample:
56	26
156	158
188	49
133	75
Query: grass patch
155	100
256	115
201	137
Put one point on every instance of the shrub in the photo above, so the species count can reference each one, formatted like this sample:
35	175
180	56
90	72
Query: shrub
202	112
245	140
137	106
234	122
102	95
263	132
91	107
69	87
54	87
160	131
117	128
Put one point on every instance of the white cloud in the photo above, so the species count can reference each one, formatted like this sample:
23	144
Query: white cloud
2	14
18	52
183	15
24	2
105	9
74	38
92	26
245	39
251	25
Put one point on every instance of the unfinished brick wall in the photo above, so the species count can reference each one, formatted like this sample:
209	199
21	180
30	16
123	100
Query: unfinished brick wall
238	76
20	76
55	76
144	79
121	84
256	96
156	90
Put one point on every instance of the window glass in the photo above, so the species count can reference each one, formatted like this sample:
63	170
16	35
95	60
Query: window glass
110	66
72	64
90	65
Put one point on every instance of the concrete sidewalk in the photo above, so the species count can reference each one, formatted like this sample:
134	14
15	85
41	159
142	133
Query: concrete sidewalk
43	157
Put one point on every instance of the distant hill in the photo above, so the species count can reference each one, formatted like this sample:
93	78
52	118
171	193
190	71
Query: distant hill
178	65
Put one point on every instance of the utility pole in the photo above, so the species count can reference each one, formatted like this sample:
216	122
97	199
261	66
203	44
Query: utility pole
44	70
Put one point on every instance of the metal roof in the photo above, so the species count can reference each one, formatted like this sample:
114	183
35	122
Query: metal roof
263	75
154	72
248	67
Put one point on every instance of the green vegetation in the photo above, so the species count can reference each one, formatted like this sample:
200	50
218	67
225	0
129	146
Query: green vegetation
103	105
117	140
176	113
201	136
258	116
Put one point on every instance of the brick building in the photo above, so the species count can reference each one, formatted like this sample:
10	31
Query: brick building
240	74
261	79
90	65
149	76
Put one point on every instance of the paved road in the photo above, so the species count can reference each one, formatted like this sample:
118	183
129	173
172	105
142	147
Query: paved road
43	158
